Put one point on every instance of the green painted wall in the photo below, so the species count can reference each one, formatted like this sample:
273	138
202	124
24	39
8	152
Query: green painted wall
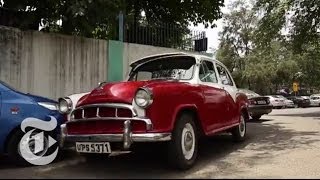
115	61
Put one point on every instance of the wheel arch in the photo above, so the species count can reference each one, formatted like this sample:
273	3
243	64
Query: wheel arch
189	108
244	110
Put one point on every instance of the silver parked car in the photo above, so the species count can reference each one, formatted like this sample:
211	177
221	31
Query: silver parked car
315	100
277	102
288	103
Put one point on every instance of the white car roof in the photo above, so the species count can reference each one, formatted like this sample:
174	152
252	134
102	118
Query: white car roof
156	56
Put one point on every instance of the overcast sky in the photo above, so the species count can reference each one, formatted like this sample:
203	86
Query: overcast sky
212	33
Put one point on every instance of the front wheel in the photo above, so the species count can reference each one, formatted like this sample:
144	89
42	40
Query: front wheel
239	132
28	144
183	148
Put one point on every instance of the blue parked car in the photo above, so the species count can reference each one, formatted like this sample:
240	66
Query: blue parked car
14	108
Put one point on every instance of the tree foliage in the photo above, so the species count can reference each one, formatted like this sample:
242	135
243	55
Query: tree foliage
274	60
300	17
99	18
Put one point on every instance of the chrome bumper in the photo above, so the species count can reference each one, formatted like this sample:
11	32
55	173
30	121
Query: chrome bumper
127	137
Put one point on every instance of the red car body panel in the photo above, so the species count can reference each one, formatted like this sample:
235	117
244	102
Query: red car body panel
121	92
216	109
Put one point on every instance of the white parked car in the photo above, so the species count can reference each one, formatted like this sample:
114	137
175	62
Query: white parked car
288	103
315	100
277	102
306	97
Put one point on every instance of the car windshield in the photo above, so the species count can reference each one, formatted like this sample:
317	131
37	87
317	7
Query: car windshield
249	93
315	97
279	96
179	68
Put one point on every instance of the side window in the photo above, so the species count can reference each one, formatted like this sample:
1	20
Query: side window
207	72
144	75
224	75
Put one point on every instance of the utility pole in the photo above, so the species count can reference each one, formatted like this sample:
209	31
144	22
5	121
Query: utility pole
121	25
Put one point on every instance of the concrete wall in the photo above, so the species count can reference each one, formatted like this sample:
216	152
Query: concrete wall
54	65
51	65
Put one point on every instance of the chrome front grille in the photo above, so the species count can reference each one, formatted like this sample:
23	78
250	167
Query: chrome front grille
103	111
108	111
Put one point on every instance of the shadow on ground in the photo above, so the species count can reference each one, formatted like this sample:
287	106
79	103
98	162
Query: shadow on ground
150	162
259	121
6	163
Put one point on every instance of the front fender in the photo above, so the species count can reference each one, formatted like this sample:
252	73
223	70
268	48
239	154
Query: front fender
167	104
181	108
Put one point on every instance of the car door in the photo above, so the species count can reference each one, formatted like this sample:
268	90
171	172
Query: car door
214	97
227	83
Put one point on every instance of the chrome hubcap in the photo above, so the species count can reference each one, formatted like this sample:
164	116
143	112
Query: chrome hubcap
188	141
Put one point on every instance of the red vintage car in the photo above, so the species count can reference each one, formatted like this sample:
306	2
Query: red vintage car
171	98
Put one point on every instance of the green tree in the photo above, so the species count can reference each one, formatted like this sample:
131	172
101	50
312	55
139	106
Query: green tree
98	18
236	39
262	68
303	16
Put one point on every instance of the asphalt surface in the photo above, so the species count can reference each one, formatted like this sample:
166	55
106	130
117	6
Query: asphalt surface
283	144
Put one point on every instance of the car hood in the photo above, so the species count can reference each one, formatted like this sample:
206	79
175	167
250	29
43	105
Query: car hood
38	98
121	92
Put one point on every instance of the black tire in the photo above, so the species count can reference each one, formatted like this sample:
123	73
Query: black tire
13	146
12	149
184	126
256	117
239	132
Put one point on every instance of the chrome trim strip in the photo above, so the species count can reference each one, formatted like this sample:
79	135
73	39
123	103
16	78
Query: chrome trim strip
63	134
113	105
127	134
82	113
98	111
146	137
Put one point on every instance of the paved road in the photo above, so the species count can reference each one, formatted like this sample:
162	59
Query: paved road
284	144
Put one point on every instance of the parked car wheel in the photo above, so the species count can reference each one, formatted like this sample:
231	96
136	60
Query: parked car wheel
239	132
13	149
183	148
14	152
256	118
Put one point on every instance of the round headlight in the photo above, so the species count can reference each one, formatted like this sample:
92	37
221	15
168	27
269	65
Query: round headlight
65	105
143	98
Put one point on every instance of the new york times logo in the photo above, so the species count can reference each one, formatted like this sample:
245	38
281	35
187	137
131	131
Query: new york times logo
34	145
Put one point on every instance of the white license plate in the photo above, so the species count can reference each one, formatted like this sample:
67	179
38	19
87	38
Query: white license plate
262	102
89	147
